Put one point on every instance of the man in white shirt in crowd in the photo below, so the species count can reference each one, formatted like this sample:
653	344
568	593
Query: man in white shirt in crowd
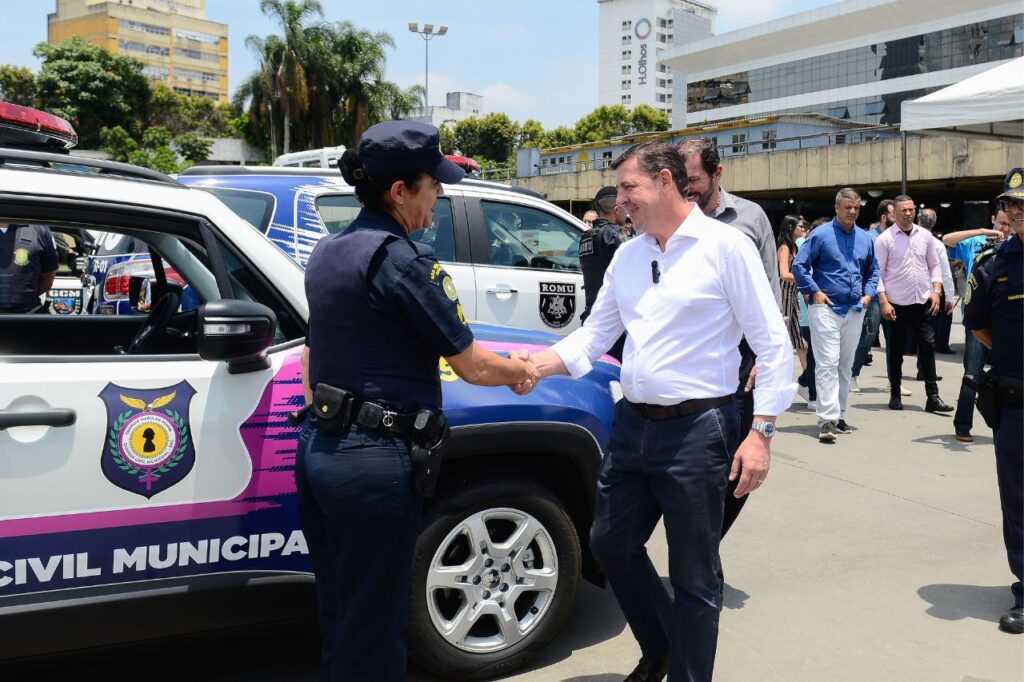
685	290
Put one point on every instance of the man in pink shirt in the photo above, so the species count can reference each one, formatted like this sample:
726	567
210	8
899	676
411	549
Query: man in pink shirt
909	291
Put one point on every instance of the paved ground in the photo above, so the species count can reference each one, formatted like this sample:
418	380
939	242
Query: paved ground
877	558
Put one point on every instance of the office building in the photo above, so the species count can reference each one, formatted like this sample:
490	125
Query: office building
179	46
633	36
856	60
461	105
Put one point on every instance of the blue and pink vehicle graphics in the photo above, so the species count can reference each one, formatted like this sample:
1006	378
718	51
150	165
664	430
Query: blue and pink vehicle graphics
257	530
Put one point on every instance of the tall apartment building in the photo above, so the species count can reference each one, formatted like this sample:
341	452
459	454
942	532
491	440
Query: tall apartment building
180	47
633	36
857	60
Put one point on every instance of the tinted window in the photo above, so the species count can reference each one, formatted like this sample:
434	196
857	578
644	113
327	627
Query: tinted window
522	236
339	210
256	208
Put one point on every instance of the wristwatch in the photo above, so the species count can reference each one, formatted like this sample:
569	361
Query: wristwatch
766	429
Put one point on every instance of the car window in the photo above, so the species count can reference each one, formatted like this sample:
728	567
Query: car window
527	237
189	279
339	210
256	208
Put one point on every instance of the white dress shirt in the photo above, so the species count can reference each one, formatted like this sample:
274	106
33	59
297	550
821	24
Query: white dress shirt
684	331
947	274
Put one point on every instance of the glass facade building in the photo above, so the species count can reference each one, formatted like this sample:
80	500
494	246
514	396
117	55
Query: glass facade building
979	43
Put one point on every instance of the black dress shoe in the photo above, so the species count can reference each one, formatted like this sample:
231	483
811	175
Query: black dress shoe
895	402
935	404
920	377
649	670
867	360
1013	621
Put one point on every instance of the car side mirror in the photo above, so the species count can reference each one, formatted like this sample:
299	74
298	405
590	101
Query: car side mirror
239	332
140	293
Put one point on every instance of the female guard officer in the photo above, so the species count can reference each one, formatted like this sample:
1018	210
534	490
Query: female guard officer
382	312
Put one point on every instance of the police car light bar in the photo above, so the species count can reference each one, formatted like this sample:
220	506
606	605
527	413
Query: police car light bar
17	121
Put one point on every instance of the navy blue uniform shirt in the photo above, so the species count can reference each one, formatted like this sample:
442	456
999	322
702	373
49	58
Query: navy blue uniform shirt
995	300
381	334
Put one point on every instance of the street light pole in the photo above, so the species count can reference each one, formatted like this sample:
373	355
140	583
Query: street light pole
427	34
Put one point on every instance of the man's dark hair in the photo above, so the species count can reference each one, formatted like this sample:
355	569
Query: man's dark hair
708	150
605	205
902	197
653	156
883	208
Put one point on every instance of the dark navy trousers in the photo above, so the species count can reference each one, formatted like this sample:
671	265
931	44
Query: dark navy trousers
1010	471
360	516
677	469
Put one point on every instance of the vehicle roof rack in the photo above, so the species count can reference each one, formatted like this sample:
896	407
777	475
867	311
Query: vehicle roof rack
260	170
44	159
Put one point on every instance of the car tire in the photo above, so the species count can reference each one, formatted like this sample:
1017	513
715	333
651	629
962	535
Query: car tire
535	553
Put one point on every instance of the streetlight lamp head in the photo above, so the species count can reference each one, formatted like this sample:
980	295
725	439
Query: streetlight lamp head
414	26
428	28
442	31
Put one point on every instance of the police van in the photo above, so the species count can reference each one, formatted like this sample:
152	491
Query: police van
144	458
513	256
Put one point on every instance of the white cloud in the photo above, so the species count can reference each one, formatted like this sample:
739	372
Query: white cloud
504	98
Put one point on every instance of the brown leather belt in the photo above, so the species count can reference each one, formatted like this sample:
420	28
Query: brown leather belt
687	407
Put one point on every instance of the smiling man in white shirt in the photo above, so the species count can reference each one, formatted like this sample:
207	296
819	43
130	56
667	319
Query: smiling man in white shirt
686	291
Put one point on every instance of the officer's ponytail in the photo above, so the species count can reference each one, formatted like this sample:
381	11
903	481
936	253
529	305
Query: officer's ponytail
372	191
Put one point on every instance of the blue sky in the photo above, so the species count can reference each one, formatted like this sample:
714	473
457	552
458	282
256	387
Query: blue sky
528	58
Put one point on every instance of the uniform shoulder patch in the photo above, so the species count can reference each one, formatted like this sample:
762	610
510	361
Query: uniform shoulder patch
991	251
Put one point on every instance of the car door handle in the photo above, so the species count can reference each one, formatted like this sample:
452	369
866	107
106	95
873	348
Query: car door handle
60	416
502	289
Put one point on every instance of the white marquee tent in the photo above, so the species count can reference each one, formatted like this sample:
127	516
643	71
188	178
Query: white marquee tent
990	103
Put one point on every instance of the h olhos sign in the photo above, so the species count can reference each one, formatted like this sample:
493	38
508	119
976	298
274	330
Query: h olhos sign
642	30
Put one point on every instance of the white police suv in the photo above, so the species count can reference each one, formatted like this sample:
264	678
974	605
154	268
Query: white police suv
150	454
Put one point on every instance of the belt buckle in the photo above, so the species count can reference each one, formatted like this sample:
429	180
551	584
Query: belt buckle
389	419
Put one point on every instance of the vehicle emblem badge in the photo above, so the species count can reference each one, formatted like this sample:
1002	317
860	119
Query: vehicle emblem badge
148	445
557	303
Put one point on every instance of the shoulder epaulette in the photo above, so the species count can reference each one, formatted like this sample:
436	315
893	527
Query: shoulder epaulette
990	251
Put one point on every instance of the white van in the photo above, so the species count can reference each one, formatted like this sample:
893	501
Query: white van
326	157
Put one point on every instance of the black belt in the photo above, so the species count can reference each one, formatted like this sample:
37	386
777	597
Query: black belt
382	419
687	407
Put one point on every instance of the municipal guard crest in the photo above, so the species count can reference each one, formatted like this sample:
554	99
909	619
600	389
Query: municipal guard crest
148	444
557	303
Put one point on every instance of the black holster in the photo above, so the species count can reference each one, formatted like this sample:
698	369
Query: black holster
993	392
431	430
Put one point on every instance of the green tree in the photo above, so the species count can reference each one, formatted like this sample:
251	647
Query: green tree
492	138
559	137
258	92
292	86
189	113
604	122
92	88
192	147
646	119
17	85
531	134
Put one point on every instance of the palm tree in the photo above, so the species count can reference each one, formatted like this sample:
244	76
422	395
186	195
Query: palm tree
292	85
260	89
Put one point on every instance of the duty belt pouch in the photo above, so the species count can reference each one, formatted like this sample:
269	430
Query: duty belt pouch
333	409
431	430
987	399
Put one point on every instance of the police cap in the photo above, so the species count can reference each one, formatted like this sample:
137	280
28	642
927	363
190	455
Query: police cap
396	147
1013	185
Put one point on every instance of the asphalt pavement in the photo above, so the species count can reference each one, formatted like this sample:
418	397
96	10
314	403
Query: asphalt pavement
878	557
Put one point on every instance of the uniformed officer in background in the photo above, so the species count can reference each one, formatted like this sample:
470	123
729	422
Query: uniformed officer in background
28	264
995	312
597	246
382	312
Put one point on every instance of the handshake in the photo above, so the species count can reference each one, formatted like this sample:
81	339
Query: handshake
526	370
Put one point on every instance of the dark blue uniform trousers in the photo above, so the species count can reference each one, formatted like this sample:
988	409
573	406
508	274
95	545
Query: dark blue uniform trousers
677	468
360	517
1010	471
